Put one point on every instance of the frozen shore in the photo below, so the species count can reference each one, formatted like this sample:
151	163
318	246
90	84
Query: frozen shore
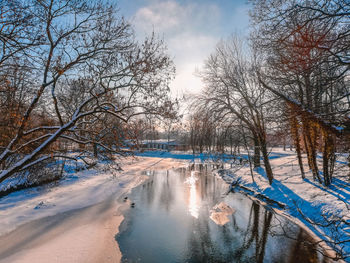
75	221
323	211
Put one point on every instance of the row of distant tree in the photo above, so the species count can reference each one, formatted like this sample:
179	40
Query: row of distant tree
73	77
291	77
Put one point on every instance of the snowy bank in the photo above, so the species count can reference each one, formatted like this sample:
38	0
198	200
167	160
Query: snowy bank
324	210
75	221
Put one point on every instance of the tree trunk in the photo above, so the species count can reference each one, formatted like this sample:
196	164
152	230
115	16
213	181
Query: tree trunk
256	151
328	157
95	150
309	140
325	165
295	134
266	160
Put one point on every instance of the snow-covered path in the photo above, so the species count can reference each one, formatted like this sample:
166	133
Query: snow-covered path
74	222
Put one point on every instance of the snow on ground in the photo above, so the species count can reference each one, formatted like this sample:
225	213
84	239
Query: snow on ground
308	202
200	157
72	222
75	191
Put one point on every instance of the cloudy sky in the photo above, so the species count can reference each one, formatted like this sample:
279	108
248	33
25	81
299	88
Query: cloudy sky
191	29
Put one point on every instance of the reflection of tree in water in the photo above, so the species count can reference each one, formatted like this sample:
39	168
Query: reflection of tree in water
166	196
303	250
209	188
263	224
201	247
255	237
235	244
261	242
162	190
148	190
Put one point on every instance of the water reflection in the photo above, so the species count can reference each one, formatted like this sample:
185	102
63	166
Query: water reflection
171	223
193	205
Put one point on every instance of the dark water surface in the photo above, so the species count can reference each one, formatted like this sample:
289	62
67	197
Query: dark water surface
171	223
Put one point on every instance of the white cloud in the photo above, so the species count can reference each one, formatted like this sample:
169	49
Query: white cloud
189	31
170	17
161	16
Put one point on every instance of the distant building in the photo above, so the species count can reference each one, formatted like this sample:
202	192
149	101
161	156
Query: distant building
159	144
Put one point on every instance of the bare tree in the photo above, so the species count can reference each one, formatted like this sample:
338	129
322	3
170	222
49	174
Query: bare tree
232	90
85	65
305	46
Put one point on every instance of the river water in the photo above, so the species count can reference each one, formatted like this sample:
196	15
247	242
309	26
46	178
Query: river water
187	215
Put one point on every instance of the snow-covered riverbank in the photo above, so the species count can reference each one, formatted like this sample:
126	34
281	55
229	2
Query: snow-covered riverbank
88	237
323	210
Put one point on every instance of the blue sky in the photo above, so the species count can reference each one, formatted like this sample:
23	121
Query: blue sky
191	29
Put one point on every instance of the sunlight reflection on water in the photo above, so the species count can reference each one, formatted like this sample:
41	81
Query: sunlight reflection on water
193	204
